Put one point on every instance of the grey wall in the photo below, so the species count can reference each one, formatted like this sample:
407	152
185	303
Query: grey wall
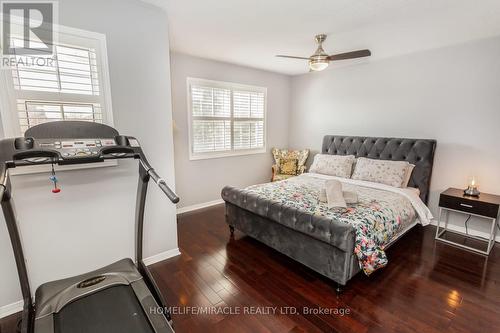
91	222
201	181
449	94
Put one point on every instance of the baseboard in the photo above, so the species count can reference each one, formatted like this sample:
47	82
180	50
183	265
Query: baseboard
199	206
10	309
161	256
458	228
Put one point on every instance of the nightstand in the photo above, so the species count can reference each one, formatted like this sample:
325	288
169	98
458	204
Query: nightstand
486	207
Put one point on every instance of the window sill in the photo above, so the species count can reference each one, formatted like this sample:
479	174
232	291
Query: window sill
207	156
27	170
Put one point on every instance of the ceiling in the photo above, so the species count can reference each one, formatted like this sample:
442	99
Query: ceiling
252	32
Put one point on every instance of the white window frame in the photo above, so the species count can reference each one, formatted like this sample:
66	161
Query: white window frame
9	95
231	86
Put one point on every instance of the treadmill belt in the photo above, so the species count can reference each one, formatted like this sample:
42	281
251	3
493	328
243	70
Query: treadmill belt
112	310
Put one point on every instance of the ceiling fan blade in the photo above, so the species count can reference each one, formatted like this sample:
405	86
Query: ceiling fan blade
292	57
350	55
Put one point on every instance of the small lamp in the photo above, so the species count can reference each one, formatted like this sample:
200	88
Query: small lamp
471	189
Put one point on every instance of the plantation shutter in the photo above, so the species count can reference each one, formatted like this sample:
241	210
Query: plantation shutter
211	108
64	87
226	119
248	119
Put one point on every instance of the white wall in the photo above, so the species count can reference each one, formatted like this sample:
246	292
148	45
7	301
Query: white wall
91	222
201	181
449	94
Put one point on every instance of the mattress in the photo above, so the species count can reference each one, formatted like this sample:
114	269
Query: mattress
381	215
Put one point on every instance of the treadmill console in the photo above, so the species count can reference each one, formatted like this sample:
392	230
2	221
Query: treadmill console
69	149
74	150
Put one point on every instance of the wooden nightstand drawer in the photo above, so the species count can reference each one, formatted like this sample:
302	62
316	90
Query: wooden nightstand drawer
454	199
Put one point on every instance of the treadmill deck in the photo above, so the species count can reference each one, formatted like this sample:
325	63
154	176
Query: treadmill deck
113	299
112	310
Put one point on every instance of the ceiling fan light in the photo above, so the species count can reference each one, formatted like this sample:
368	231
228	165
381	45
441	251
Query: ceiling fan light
318	65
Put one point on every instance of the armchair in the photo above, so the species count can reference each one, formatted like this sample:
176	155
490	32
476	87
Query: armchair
285	156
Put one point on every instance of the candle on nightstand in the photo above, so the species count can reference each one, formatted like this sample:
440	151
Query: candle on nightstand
472	188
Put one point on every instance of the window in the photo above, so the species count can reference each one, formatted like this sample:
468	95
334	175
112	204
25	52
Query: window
74	85
32	113
225	119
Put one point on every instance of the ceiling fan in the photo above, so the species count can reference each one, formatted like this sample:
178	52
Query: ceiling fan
320	59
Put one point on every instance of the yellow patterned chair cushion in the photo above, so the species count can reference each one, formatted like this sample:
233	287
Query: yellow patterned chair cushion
286	155
288	166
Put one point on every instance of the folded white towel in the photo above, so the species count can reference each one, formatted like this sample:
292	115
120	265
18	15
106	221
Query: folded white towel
322	195
334	195
349	196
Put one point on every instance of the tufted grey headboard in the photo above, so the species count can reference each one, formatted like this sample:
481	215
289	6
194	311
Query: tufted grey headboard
416	151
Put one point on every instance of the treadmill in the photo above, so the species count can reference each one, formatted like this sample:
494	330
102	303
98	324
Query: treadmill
119	298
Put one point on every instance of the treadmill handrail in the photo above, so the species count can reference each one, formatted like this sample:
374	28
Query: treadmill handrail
162	184
3	180
2	191
3	175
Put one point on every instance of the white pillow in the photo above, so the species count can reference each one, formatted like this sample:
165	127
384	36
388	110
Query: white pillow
409	171
333	165
391	173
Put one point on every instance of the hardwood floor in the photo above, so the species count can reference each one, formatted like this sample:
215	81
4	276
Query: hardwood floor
427	287
9	324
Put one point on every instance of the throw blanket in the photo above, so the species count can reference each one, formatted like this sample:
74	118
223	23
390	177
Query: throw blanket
379	215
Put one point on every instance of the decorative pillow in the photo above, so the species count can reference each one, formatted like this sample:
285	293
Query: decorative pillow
333	165
300	155
288	166
381	171
409	171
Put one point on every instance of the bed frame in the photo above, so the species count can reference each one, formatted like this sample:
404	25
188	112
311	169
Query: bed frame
324	245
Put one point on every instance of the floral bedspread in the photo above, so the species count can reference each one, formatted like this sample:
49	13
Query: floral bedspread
377	217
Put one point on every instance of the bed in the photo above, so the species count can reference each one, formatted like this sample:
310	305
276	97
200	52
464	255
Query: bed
288	217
